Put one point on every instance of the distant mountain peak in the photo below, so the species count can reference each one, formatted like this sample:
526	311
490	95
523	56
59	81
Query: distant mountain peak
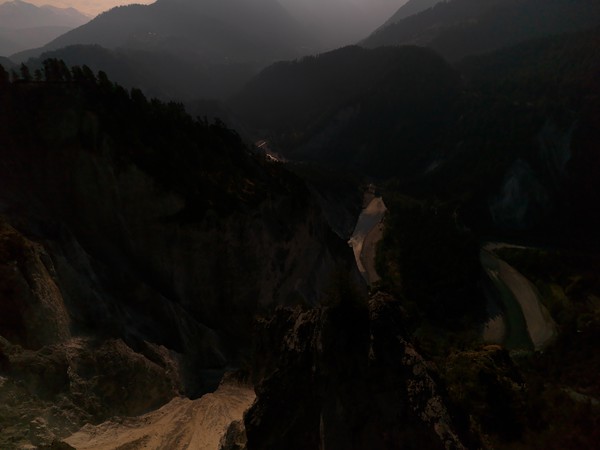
411	7
24	25
17	14
207	30
458	28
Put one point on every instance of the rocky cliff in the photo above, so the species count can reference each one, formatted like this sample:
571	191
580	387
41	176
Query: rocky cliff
136	245
345	377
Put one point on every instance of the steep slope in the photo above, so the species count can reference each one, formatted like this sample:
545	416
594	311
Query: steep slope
208	31
369	110
21	39
139	244
410	8
465	27
28	26
7	47
6	63
508	132
534	109
336	23
183	49
174	78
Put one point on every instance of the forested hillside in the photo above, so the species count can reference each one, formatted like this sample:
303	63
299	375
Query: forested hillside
139	236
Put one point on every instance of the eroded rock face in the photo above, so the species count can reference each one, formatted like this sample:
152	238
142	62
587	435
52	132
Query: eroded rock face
344	377
218	263
134	252
128	257
32	310
47	393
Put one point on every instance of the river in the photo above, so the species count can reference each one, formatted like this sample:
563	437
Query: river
522	322
367	234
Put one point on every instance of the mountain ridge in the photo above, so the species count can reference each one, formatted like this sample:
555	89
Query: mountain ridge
459	28
206	31
410	8
24	26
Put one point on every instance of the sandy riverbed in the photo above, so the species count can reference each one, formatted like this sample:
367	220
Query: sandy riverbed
367	233
513	286
180	424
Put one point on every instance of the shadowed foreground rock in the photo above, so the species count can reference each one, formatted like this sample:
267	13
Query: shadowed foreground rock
344	377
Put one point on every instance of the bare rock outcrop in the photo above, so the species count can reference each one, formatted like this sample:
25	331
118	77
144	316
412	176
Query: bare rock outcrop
359	382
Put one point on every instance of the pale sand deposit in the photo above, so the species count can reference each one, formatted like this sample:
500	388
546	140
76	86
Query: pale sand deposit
180	424
366	235
539	324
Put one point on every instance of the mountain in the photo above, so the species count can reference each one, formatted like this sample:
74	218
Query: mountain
6	63
402	112
29	26
7	46
411	8
374	111
17	40
514	159
458	28
143	253
17	14
136	246
174	78
208	31
183	49
337	23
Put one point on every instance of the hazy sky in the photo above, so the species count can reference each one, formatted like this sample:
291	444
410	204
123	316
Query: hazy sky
90	7
94	7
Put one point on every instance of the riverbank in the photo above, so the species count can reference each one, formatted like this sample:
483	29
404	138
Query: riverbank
366	235
525	322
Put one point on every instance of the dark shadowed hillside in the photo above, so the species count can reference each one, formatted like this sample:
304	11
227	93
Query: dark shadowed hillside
370	110
157	74
408	256
209	30
402	112
524	145
6	63
183	49
144	242
458	28
411	8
